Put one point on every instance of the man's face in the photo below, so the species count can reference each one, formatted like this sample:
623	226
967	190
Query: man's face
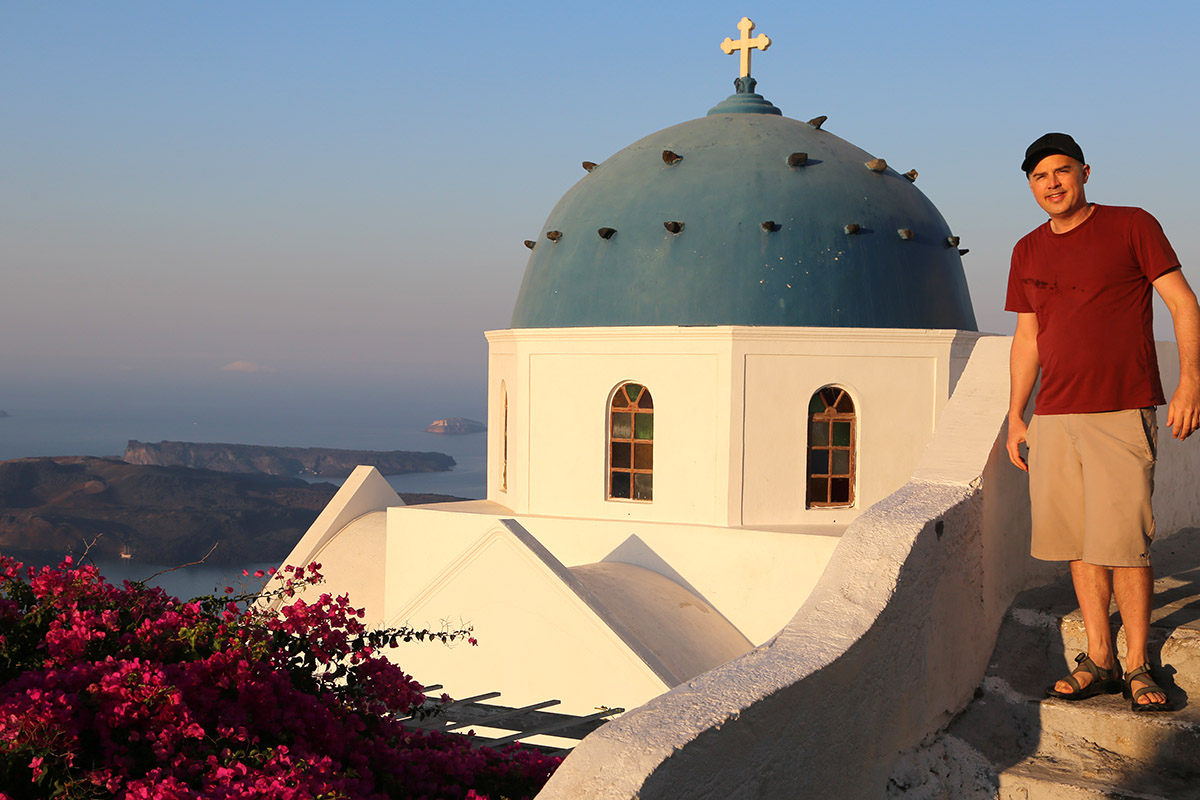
1057	183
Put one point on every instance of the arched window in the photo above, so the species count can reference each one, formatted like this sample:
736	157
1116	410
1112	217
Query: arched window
504	441
631	443
831	448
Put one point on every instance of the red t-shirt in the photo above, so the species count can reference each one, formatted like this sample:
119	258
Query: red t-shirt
1090	288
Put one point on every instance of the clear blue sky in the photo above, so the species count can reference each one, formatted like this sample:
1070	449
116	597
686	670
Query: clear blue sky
339	191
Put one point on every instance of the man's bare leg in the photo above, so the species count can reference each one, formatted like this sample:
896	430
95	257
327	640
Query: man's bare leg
1093	591
1134	587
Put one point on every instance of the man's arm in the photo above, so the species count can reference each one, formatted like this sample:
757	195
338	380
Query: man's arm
1183	414
1023	369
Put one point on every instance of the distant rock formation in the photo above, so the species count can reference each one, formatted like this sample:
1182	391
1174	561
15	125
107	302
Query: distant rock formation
157	515
3	413
455	426
318	461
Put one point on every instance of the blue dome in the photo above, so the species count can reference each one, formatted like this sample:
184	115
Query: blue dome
716	222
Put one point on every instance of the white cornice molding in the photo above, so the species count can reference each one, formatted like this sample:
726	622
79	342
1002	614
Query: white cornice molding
730	333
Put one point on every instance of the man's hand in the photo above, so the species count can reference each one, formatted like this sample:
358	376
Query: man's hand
1017	429
1023	368
1183	414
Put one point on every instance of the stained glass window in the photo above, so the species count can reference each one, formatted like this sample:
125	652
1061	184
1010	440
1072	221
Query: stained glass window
631	443
831	448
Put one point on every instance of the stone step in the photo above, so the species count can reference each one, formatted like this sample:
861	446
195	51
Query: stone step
1096	748
1098	735
1048	619
1044	779
1015	743
953	768
1174	652
1036	648
1040	747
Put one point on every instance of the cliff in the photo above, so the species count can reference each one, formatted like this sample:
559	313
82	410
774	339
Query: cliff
317	461
161	515
455	426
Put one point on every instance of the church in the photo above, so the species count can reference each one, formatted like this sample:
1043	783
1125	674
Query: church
733	337
746	479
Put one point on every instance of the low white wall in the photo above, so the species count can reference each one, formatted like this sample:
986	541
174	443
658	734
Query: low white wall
891	643
757	579
536	639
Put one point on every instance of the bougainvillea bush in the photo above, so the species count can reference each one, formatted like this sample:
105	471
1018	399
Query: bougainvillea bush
128	692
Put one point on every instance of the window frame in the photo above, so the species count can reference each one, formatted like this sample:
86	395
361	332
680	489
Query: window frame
640	447
835	400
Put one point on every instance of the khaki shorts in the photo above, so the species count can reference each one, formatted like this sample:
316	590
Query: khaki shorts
1090	480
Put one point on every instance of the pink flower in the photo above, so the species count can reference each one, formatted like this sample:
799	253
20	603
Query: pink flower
162	699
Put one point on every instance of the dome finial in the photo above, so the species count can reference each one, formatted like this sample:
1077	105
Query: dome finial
745	44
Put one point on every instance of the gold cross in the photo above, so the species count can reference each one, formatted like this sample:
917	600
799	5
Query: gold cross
745	44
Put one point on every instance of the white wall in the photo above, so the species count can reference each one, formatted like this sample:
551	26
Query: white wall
899	381
731	408
560	383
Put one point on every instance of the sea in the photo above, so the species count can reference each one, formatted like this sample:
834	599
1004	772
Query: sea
42	431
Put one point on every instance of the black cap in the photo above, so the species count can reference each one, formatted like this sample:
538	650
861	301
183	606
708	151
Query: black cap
1048	145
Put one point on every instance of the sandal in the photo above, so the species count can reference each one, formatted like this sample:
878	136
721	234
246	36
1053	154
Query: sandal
1143	675
1104	681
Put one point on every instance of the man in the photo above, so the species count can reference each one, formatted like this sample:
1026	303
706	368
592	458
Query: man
1080	284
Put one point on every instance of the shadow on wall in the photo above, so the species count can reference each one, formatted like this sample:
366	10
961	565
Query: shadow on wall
884	682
